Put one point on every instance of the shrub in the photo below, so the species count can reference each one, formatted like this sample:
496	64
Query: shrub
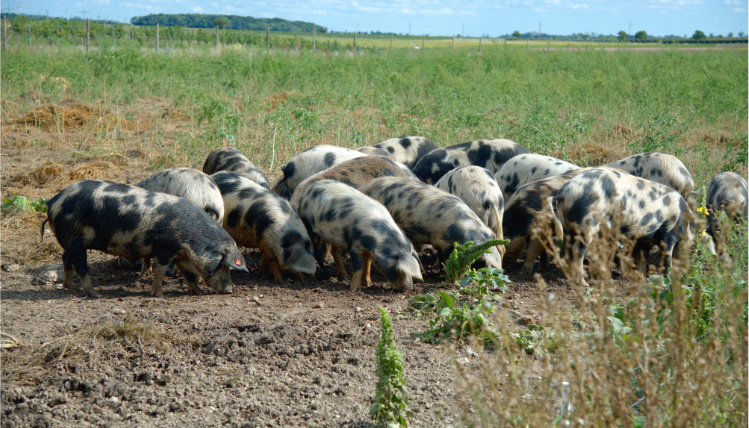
390	406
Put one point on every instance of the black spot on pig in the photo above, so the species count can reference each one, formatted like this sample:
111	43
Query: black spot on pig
329	159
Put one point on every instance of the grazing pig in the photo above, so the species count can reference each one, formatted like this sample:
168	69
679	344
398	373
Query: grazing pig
523	169
355	173
431	216
489	154
528	221
309	163
643	212
135	223
406	150
477	187
348	220
727	192
232	160
189	184
659	167
257	217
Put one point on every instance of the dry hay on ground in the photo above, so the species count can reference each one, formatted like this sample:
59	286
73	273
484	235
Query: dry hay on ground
53	172
73	115
591	154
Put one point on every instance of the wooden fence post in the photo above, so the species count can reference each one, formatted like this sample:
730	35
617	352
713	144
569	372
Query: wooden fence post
354	42
453	43
391	40
5	32
267	37
217	47
314	37
87	35
480	45
157	38
423	36
114	40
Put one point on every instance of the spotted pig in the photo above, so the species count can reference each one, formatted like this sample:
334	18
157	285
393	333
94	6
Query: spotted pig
348	220
727	192
477	187
661	168
489	154
355	173
232	160
258	218
191	184
135	223
406	150
523	169
641	211
432	216
309	163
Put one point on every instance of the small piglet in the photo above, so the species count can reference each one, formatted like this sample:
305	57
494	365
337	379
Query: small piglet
348	220
257	217
489	154
232	160
135	223
432	216
191	184
309	163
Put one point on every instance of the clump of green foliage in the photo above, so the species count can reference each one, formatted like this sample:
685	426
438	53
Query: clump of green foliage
22	203
390	406
458	320
459	263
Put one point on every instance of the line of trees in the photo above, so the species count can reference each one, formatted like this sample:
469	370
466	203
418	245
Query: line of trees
229	22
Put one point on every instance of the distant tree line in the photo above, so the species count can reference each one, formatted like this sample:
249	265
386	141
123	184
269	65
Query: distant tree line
640	37
229	22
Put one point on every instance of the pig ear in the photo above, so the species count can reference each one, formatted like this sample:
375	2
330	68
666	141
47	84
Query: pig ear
235	261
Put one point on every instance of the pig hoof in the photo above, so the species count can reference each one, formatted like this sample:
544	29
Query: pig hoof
91	294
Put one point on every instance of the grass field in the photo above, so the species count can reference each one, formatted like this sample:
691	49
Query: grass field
655	355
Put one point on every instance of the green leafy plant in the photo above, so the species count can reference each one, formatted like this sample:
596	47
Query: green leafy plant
390	406
535	339
22	203
458	320
479	282
459	263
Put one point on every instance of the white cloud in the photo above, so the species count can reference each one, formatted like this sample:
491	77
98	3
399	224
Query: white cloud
579	6
197	9
739	10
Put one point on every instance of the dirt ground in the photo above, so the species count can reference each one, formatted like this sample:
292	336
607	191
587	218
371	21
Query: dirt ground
267	355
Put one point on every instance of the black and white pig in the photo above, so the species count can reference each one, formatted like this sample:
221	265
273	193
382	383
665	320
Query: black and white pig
432	216
528	221
232	160
477	187
523	169
134	223
374	151
406	150
355	173
309	163
256	217
191	184
727	192
659	167
489	154
642	211
348	220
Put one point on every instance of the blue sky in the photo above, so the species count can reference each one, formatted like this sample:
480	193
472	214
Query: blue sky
438	17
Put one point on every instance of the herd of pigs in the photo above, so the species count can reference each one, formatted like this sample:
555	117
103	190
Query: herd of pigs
378	204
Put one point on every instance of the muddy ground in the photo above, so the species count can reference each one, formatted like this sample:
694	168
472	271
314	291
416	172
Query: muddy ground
267	355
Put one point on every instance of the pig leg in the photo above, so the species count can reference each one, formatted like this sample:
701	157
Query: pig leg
270	261
146	266
191	278
77	257
534	250
340	269
159	271
514	249
67	264
575	256
361	263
